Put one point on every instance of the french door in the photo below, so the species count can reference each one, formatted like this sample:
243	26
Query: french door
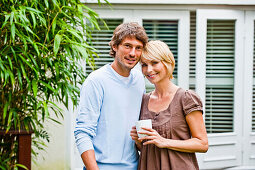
219	82
249	92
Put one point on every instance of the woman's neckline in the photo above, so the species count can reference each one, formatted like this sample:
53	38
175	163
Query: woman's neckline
157	113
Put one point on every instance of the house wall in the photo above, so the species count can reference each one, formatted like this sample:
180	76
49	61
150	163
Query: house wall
56	155
62	152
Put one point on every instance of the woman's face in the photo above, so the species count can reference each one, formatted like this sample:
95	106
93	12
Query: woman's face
154	70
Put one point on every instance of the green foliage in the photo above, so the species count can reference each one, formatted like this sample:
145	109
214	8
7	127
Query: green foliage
41	47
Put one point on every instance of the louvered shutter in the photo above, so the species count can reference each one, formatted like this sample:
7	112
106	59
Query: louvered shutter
100	41
166	31
220	75
219	83
192	52
253	96
249	91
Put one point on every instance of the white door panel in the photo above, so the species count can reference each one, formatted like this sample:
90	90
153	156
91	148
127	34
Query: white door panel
225	148
249	92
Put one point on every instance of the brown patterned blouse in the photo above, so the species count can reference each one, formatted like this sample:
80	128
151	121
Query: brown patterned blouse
171	124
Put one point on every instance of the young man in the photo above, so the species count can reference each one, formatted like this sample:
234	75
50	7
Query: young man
110	103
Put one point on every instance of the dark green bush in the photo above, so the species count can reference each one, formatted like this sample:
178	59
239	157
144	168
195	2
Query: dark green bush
41	47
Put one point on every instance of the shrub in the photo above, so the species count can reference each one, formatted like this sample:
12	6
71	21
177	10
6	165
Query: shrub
41	47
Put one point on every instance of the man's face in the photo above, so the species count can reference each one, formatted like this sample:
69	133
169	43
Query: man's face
128	53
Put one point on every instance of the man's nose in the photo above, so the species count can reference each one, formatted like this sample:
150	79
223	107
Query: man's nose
132	52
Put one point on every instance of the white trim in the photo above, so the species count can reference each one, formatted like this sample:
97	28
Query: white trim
114	14
201	26
248	79
195	2
69	121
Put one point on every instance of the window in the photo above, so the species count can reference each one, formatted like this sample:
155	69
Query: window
220	64
166	31
100	41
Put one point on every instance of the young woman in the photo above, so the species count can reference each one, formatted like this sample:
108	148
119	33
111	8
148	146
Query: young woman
178	129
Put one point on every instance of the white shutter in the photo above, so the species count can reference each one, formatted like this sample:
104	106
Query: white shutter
251	151
219	82
100	41
220	76
249	91
192	52
253	91
166	31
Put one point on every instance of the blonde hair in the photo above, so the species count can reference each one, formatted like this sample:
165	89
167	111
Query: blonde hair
159	50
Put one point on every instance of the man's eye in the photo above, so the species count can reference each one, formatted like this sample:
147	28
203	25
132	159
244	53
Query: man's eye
127	45
139	48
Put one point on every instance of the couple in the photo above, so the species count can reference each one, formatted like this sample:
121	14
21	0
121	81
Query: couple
112	98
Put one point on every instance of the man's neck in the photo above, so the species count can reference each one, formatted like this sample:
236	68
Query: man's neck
121	71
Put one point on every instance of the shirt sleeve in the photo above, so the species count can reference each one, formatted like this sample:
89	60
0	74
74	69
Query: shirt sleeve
191	102
88	113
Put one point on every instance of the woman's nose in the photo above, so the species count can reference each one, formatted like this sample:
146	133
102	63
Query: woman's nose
149	68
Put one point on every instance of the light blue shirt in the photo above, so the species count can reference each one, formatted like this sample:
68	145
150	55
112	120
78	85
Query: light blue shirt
109	107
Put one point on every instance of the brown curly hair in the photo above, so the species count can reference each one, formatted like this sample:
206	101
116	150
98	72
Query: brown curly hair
131	29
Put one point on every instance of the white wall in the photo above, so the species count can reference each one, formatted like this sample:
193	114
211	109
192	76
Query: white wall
55	156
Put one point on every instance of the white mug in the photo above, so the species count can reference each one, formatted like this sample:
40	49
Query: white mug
142	123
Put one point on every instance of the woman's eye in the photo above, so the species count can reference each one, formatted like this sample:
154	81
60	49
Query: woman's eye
154	62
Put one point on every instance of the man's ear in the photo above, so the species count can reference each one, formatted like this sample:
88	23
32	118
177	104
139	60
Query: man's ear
114	47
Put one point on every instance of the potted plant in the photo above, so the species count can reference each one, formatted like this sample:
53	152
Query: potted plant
41	45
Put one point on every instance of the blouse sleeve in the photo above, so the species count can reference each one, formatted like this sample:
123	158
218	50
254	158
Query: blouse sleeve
191	102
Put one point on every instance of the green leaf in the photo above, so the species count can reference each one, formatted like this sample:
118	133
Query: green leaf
46	3
13	31
34	10
5	111
21	166
57	41
48	86
12	78
54	120
9	120
23	59
55	105
34	84
36	49
6	19
11	19
5	38
33	18
74	32
10	62
54	23
24	72
46	109
19	78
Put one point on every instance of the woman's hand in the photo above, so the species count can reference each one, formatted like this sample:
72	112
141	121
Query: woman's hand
153	138
134	136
